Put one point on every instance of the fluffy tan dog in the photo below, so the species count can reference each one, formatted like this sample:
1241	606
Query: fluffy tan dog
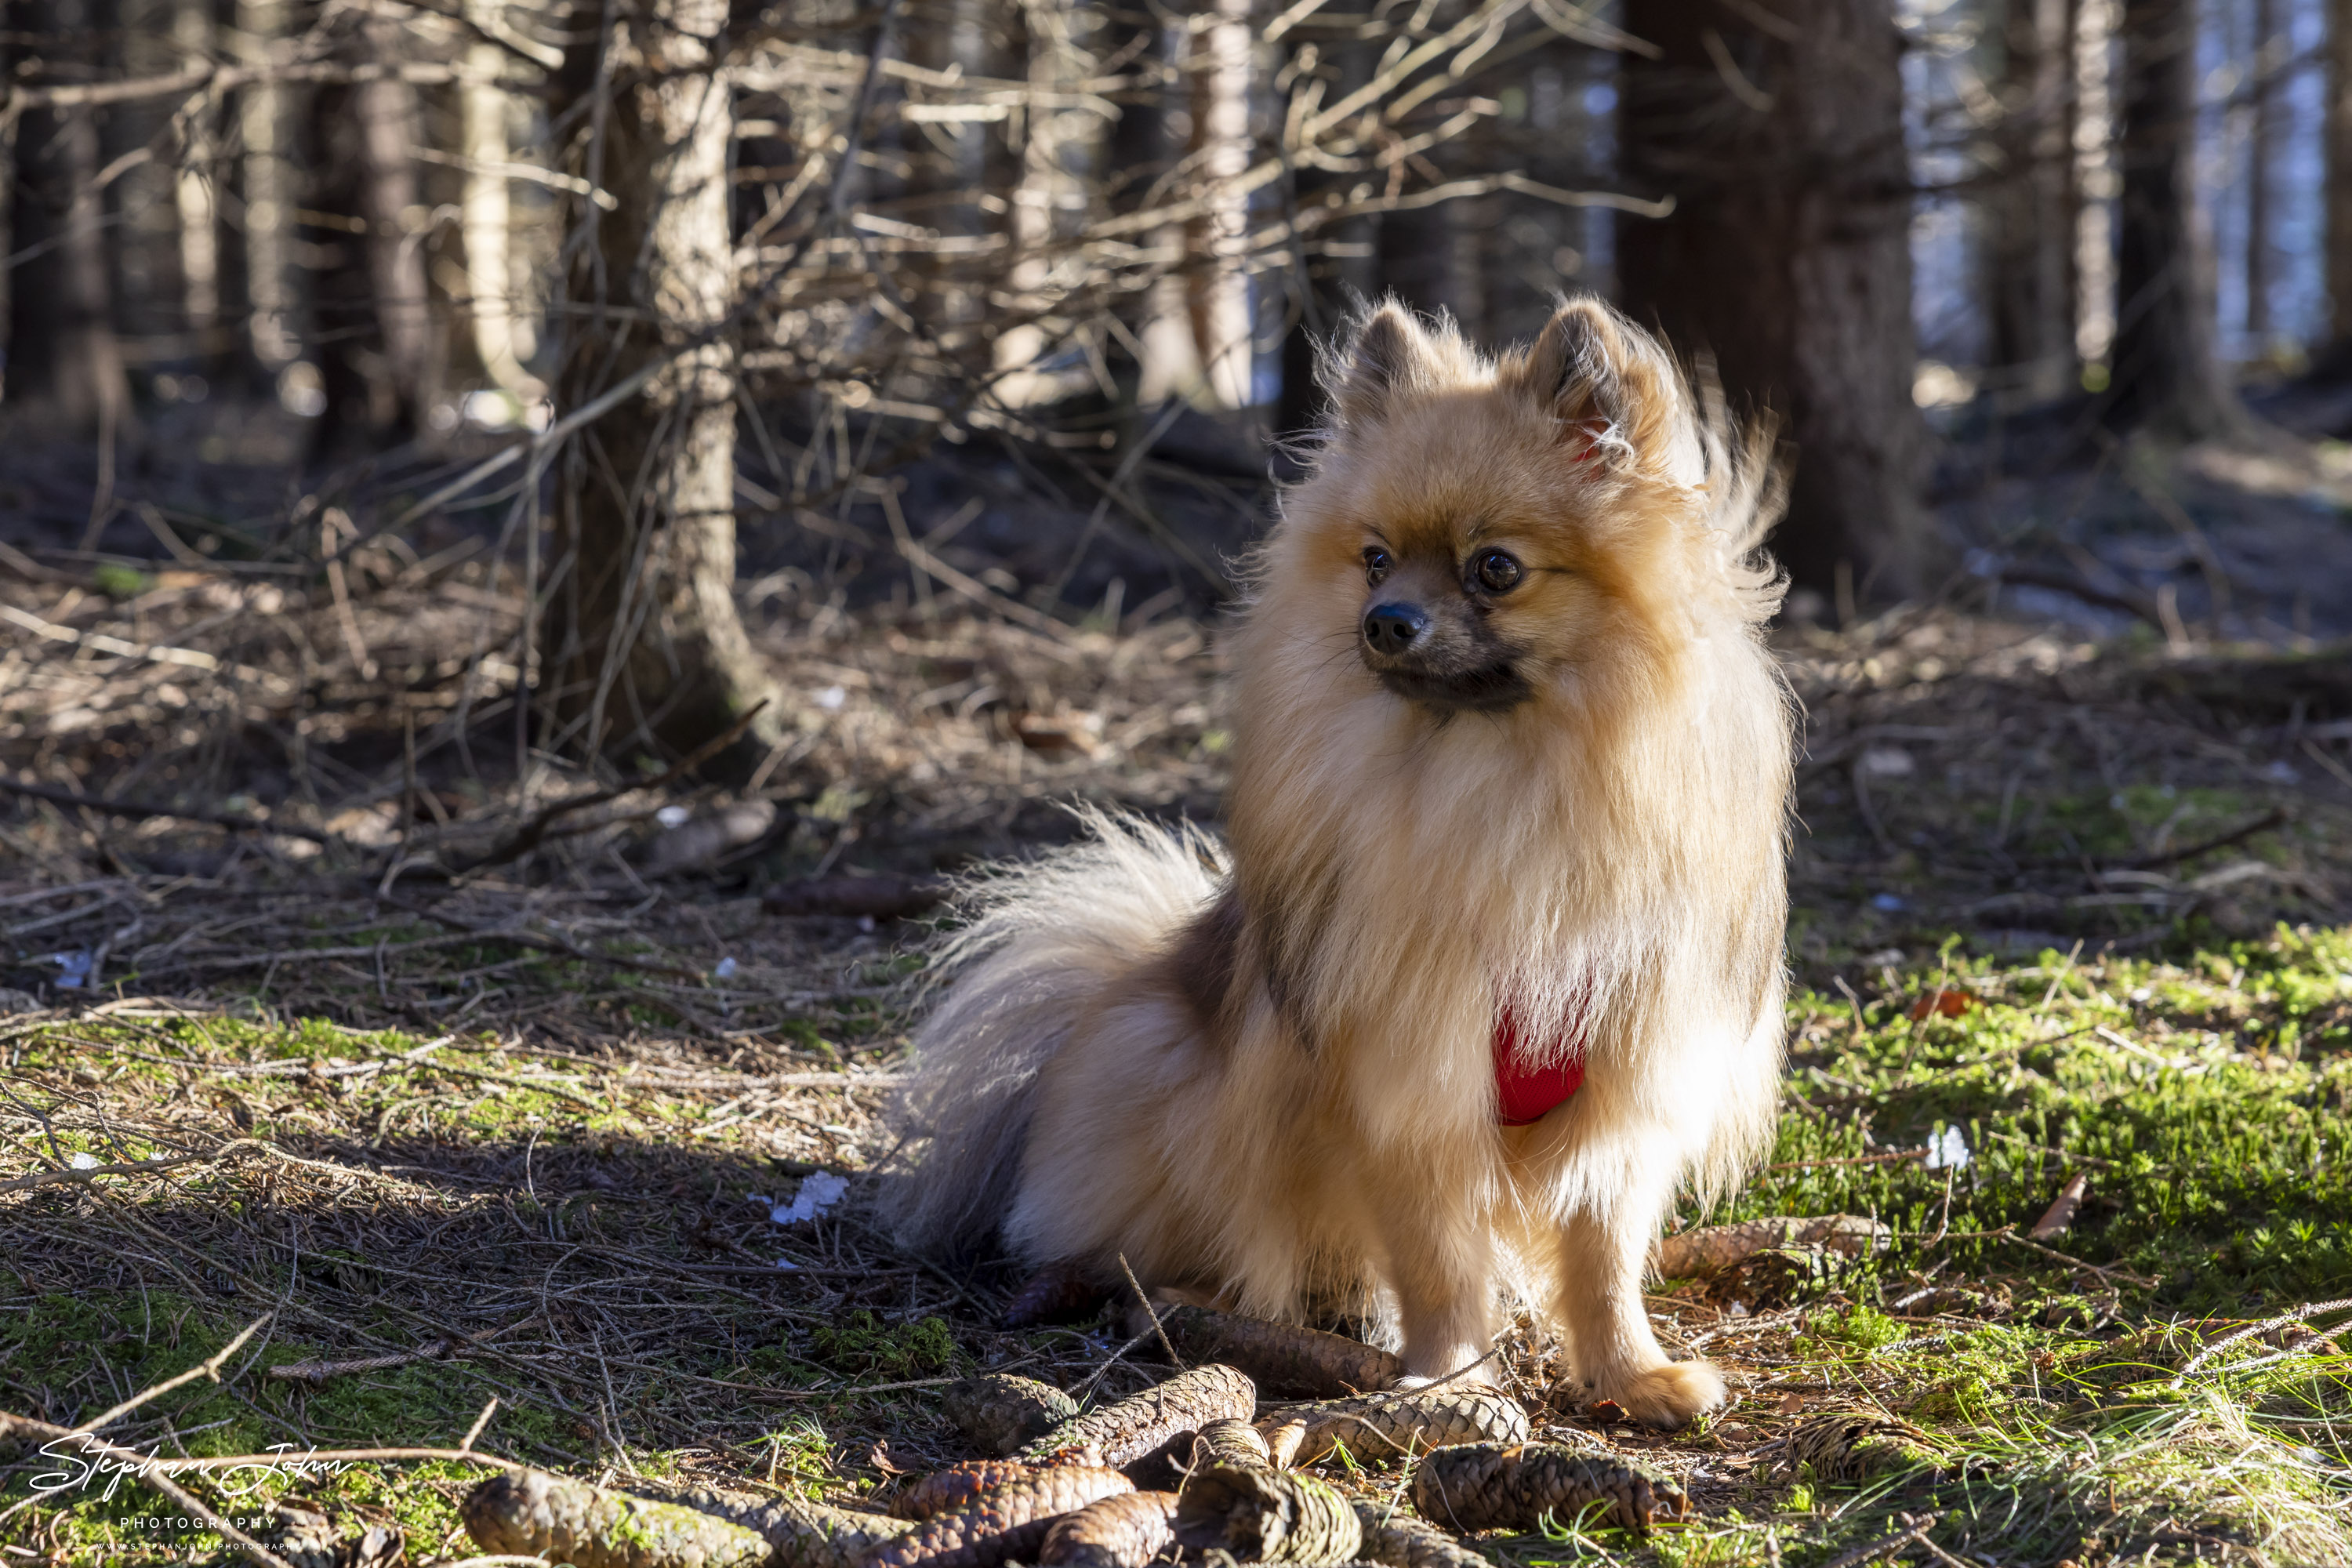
1494	967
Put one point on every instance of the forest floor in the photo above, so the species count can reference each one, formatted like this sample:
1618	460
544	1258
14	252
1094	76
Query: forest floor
2079	902
2072	896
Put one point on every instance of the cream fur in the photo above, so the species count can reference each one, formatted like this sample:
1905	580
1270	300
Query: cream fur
1271	1084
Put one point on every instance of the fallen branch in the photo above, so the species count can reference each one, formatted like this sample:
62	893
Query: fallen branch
872	898
122	1168
526	838
140	810
2292	1315
1713	1249
316	1373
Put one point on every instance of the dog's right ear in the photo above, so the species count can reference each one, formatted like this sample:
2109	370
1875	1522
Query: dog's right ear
1384	353
1615	390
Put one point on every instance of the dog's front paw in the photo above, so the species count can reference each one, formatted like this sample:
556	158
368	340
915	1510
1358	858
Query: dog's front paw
1671	1395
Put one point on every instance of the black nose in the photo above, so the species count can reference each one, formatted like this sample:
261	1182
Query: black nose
1394	628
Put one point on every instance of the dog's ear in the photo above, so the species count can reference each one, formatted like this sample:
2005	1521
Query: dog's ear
1384	352
1617	395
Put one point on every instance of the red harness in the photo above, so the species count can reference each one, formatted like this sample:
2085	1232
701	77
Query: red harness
1523	1093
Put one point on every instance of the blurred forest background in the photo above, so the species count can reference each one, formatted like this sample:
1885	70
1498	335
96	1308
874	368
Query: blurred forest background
504	446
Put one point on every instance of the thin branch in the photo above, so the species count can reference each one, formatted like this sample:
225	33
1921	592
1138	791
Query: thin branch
135	809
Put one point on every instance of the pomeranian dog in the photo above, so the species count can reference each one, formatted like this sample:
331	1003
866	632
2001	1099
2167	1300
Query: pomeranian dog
1493	968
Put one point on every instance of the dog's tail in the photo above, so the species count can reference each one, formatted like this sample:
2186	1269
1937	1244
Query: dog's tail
1042	946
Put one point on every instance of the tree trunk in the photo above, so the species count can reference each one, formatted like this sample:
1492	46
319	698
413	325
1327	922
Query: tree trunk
1137	155
193	199
265	188
1170	358
2166	376
2338	259
501	334
641	649
1787	256
1217	290
377	346
2029	287
2260	137
61	344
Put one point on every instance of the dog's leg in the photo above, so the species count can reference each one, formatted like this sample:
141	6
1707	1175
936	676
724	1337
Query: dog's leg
1609	1342
1442	1264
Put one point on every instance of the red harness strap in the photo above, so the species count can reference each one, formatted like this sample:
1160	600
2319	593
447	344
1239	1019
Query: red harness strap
1523	1093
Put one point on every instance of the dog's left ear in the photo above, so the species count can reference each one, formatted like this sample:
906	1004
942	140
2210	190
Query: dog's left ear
1614	391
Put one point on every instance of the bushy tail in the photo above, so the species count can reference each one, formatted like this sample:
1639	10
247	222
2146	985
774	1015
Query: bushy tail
1041	945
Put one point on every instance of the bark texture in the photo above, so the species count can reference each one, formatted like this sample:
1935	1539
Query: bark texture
1780	135
640	641
2164	374
2262	136
377	344
2339	183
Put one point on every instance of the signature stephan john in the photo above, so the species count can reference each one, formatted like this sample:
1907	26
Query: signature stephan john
82	1468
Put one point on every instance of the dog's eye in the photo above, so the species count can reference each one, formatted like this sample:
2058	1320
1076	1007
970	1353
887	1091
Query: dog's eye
1497	571
1376	563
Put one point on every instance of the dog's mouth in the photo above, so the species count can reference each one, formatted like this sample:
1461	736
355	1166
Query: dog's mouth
1488	689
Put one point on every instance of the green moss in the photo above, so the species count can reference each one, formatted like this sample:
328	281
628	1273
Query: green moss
862	1344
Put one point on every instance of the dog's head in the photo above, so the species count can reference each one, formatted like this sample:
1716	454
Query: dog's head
1562	523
